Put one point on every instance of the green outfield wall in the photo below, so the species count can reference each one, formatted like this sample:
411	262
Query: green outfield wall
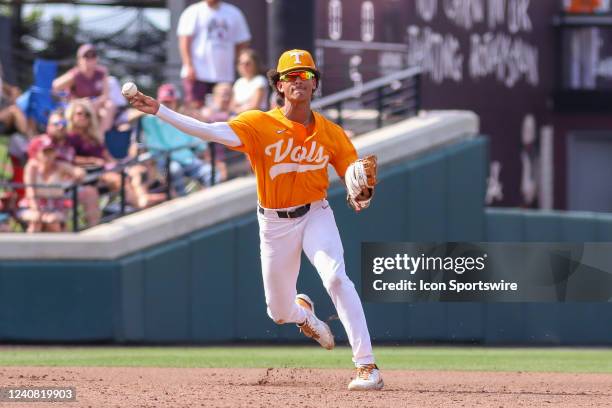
206	286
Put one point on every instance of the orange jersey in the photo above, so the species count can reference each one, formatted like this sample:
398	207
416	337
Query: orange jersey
290	160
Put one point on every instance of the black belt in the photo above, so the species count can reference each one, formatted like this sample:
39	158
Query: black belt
297	213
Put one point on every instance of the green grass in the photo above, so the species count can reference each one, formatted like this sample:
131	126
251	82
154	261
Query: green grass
407	358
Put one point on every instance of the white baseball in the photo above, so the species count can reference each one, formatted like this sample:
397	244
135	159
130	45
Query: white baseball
129	89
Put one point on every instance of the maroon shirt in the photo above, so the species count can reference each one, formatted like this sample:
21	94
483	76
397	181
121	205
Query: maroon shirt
84	87
85	147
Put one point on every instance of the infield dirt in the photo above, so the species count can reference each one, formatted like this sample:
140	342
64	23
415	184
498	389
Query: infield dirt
286	387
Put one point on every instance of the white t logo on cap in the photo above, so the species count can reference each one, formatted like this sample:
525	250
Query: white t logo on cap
296	55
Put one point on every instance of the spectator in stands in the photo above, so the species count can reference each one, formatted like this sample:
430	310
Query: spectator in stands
220	109
14	123
86	139
184	163
210	34
12	119
250	91
46	206
89	80
56	130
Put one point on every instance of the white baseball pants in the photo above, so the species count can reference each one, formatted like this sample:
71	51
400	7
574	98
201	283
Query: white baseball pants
282	241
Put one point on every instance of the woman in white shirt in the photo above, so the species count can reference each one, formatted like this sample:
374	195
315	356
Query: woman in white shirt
251	89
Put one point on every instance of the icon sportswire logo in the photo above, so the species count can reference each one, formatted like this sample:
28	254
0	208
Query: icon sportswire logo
312	154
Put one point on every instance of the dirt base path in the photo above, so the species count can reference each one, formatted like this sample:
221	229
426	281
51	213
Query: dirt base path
182	387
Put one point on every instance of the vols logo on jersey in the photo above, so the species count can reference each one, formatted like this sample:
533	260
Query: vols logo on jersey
280	151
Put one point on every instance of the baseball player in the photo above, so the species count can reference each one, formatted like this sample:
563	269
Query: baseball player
289	149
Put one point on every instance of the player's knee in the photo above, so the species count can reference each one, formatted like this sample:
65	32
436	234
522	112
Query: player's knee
277	321
335	281
279	315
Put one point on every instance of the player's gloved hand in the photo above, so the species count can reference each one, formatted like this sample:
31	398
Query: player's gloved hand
362	201
360	179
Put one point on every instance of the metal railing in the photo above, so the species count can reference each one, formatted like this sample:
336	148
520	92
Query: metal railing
381	101
72	189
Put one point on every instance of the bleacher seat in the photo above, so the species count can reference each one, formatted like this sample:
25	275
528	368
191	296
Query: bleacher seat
118	142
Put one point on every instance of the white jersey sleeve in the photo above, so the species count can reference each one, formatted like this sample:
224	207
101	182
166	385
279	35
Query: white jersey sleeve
219	132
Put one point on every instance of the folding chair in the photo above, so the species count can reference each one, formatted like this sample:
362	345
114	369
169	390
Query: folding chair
118	142
37	102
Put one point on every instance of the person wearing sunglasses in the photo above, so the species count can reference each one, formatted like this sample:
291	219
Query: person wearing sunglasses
88	79
289	149
91	153
250	91
57	132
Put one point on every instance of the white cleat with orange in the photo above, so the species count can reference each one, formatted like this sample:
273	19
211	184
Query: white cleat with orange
313	327
368	378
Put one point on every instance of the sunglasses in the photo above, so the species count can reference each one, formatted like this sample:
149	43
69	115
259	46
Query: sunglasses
61	122
292	76
90	55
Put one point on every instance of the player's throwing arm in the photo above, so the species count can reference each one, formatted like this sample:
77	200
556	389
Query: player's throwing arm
219	132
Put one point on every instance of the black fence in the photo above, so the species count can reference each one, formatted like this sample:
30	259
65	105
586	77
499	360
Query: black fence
11	208
376	103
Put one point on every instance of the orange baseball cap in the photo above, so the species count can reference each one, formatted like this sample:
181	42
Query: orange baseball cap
295	59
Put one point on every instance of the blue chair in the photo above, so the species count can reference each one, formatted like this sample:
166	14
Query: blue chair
37	102
118	142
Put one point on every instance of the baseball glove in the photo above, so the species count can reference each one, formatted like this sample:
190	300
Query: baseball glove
360	179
